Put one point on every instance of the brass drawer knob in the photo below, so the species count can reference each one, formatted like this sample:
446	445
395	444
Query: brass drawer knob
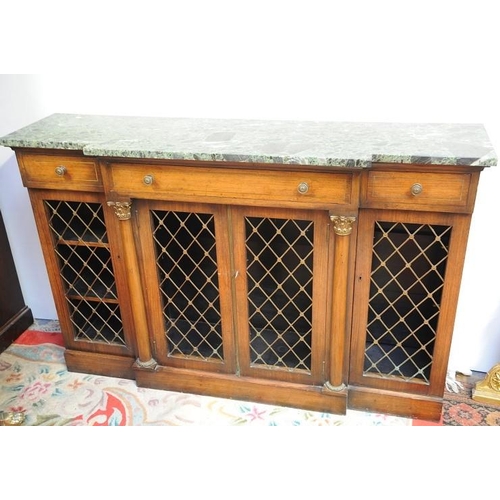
61	170
303	188
416	189
148	180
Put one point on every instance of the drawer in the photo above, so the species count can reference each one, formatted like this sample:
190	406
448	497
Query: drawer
59	172
418	191
231	185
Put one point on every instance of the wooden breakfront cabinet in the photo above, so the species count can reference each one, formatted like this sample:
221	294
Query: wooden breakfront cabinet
308	264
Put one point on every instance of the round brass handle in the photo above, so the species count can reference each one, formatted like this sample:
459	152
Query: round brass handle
148	180
61	170
303	188
416	189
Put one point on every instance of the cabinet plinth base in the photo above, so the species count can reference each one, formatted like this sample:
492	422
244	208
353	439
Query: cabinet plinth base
99	364
402	405
234	387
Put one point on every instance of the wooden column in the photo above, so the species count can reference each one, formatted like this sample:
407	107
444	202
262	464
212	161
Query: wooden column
342	227
145	358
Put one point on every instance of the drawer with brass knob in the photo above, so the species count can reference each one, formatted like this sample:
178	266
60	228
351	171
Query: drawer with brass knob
54	171
422	191
232	185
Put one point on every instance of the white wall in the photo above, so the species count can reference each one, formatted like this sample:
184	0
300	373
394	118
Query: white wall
365	61
20	104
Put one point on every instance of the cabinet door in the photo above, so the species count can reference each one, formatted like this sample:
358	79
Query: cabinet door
281	260
186	263
407	280
79	242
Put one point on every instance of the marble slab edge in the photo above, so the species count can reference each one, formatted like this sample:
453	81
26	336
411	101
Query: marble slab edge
484	161
109	152
229	158
321	144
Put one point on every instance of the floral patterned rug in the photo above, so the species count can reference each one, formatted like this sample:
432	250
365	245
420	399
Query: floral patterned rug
34	380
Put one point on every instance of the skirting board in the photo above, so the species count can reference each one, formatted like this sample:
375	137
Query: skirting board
14	327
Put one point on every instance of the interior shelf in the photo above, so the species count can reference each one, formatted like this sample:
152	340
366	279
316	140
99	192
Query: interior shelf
84	240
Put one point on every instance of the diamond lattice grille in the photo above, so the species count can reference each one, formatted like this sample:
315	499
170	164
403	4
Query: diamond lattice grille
97	321
280	280
407	279
187	270
77	221
86	269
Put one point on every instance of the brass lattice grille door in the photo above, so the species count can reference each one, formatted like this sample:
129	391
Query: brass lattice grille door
77	245
187	256
281	287
398	331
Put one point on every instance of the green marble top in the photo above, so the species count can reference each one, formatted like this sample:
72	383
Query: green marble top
343	144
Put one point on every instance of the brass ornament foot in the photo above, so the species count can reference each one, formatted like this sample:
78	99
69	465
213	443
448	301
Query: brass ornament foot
333	388
488	390
150	365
